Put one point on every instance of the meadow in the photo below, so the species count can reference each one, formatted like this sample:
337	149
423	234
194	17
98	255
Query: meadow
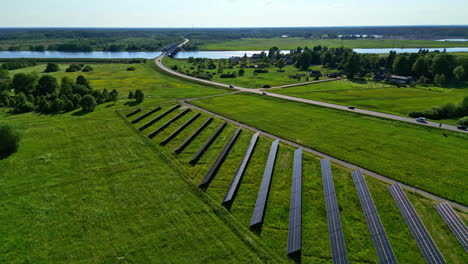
380	97
387	147
293	43
252	80
273	233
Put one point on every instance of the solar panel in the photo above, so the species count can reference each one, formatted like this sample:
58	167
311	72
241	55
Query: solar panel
232	190
193	136
335	231
157	131
138	119
133	113
379	238
425	243
159	117
295	207
214	168
459	229
205	146
180	129
260	204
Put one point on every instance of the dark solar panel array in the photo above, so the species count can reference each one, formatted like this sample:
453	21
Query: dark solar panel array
232	190
425	243
262	197
214	168
133	113
335	230
193	136
159	117
295	208
454	222
138	119
207	144
180	129
379	238
157	131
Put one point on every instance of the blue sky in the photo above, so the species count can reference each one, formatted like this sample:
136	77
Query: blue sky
230	13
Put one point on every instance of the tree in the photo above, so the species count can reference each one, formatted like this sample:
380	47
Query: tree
113	95
463	121
303	60
241	72
459	73
352	65
419	67
139	96
24	83
440	79
22	105
88	103
280	64
4	74
58	105
9	140
52	67
47	84
66	86
130	95
87	68
401	66
390	59
81	80
441	65
5	99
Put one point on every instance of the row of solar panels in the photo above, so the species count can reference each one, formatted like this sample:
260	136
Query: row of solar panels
382	246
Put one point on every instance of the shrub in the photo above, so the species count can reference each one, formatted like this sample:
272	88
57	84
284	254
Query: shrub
266	86
74	68
9	140
260	71
130	95
131	69
139	96
52	67
87	69
88	103
463	121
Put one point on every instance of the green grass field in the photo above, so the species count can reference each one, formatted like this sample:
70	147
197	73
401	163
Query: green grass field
391	148
154	84
379	97
274	231
91	189
293	43
251	80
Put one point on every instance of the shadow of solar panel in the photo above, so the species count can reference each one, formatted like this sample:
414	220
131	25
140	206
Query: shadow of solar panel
159	117
234	186
453	221
337	243
295	207
425	243
207	144
138	119
180	129
379	238
222	155
133	113
193	136
157	131
262	197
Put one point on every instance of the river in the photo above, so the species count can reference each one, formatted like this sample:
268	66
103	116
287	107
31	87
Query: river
180	55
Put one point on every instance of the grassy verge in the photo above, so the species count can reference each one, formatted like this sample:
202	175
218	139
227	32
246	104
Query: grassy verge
423	157
380	97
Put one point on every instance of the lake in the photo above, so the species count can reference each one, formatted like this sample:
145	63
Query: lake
180	55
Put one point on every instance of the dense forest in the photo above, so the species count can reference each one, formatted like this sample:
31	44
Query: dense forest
153	39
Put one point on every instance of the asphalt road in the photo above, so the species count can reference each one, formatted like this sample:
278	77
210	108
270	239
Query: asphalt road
308	101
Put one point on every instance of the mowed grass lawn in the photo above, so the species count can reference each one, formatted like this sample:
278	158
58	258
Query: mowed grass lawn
88	189
430	159
153	83
251	80
316	245
379	97
293	43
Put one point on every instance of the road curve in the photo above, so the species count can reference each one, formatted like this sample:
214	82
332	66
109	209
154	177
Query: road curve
160	64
